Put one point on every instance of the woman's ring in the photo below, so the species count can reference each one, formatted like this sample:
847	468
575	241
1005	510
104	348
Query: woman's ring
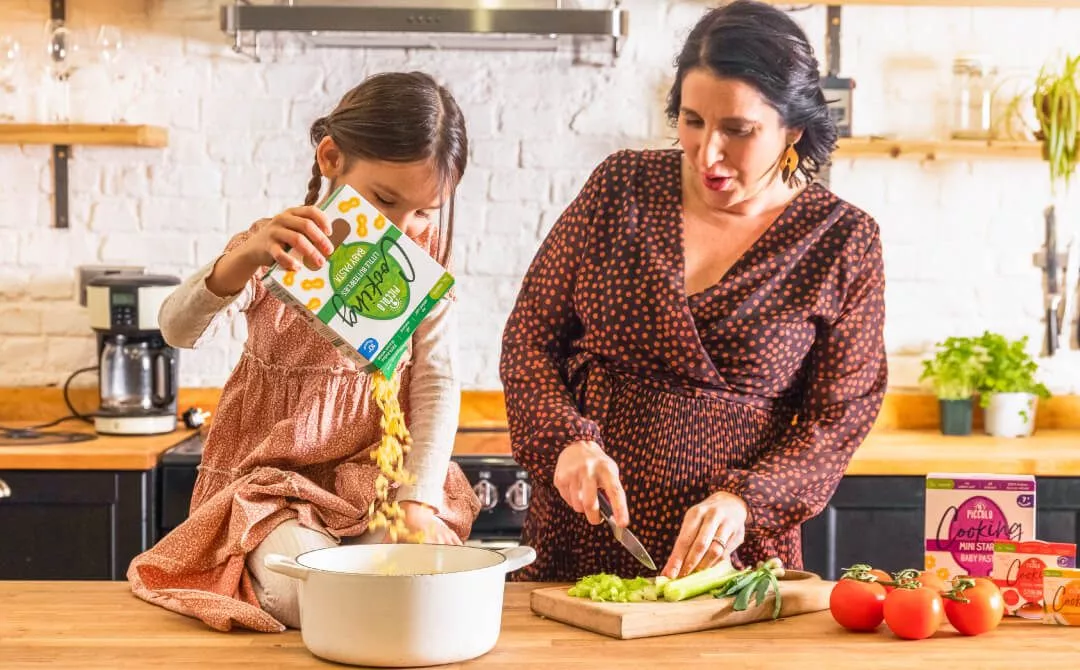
719	542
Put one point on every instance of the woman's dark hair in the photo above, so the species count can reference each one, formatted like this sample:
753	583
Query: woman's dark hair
760	45
399	117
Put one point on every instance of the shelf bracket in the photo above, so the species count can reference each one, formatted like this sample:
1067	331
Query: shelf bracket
61	153
833	22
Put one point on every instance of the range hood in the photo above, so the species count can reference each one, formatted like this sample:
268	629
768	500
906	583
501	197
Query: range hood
526	25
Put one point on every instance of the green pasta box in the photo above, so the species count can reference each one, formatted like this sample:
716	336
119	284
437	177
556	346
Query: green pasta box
375	289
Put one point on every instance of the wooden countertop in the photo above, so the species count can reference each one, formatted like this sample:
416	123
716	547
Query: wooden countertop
1048	453
96	625
107	452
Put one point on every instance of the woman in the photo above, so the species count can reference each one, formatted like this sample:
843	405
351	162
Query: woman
287	465
700	335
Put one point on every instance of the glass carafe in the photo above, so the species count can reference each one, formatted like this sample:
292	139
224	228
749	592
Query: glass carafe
126	375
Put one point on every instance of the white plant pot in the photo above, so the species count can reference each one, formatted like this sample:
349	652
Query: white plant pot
401	605
1010	415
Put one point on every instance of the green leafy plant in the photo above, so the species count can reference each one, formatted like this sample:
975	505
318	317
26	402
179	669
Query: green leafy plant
1056	99
1008	368
956	368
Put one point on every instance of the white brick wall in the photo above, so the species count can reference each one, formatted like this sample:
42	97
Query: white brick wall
958	235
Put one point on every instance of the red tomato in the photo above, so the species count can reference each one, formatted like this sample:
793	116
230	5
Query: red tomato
931	581
857	605
981	614
913	614
986	583
883	577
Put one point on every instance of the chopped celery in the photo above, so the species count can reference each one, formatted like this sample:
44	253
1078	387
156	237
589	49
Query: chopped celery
612	588
701	581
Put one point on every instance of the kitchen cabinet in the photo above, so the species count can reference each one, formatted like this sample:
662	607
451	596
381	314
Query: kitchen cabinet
74	524
879	520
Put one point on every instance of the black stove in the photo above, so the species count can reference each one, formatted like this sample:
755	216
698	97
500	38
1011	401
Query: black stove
500	483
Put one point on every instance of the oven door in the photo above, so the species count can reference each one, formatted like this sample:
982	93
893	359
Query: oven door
493	542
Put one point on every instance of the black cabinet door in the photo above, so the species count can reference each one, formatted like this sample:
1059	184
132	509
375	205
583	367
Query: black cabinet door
875	520
1057	505
63	524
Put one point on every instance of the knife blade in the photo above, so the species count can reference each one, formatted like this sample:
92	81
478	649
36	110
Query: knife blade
624	536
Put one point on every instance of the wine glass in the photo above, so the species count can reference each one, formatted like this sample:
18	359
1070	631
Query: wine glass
110	44
61	51
10	53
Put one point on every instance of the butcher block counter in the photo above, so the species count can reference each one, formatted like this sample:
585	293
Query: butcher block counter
98	625
1048	453
105	452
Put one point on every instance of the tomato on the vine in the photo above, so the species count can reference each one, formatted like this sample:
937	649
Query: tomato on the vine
857	601
913	612
974	608
857	605
883	577
931	581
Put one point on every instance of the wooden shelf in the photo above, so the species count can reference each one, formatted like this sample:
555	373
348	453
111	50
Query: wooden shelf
83	133
1024	4
62	136
873	147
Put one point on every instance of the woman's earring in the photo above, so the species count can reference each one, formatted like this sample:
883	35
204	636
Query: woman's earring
789	163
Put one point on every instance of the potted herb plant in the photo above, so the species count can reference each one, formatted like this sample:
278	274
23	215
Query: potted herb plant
955	372
1056	99
1008	388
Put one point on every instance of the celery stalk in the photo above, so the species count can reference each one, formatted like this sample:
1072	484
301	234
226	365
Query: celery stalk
700	582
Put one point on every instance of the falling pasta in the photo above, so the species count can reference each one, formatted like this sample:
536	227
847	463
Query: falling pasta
390	457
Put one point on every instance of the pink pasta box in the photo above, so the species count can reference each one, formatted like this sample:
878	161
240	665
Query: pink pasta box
1018	572
967	513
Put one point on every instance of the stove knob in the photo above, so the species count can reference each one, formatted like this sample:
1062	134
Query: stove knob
487	493
518	495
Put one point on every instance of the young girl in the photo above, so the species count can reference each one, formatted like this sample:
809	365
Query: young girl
286	466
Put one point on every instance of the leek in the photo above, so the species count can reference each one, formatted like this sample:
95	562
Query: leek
701	582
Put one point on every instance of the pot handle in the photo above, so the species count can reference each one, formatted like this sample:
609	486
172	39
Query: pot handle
284	565
517	557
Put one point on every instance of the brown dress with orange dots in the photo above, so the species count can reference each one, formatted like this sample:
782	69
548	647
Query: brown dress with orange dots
762	385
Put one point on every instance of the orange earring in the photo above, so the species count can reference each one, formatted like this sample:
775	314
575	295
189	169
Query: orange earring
789	163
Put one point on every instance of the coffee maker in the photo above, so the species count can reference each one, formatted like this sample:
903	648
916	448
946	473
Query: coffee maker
136	368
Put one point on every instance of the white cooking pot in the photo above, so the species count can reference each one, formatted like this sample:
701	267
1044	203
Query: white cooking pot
401	605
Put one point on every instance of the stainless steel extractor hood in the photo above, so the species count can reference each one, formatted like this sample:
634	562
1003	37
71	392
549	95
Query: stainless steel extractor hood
528	25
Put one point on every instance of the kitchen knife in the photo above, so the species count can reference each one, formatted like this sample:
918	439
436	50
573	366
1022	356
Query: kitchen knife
1067	312
624	536
1053	288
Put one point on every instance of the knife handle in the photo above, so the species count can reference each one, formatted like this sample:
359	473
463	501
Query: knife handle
605	506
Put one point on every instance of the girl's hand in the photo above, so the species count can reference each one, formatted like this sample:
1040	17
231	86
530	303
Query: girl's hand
711	531
305	229
582	468
421	518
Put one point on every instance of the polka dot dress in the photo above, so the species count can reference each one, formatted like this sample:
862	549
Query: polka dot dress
762	385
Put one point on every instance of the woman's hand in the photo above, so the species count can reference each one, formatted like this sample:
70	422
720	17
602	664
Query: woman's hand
711	531
419	517
582	468
305	229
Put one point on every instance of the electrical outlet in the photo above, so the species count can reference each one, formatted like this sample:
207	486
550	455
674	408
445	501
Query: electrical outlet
87	272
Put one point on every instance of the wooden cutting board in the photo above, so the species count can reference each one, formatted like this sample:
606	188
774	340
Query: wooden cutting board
801	593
